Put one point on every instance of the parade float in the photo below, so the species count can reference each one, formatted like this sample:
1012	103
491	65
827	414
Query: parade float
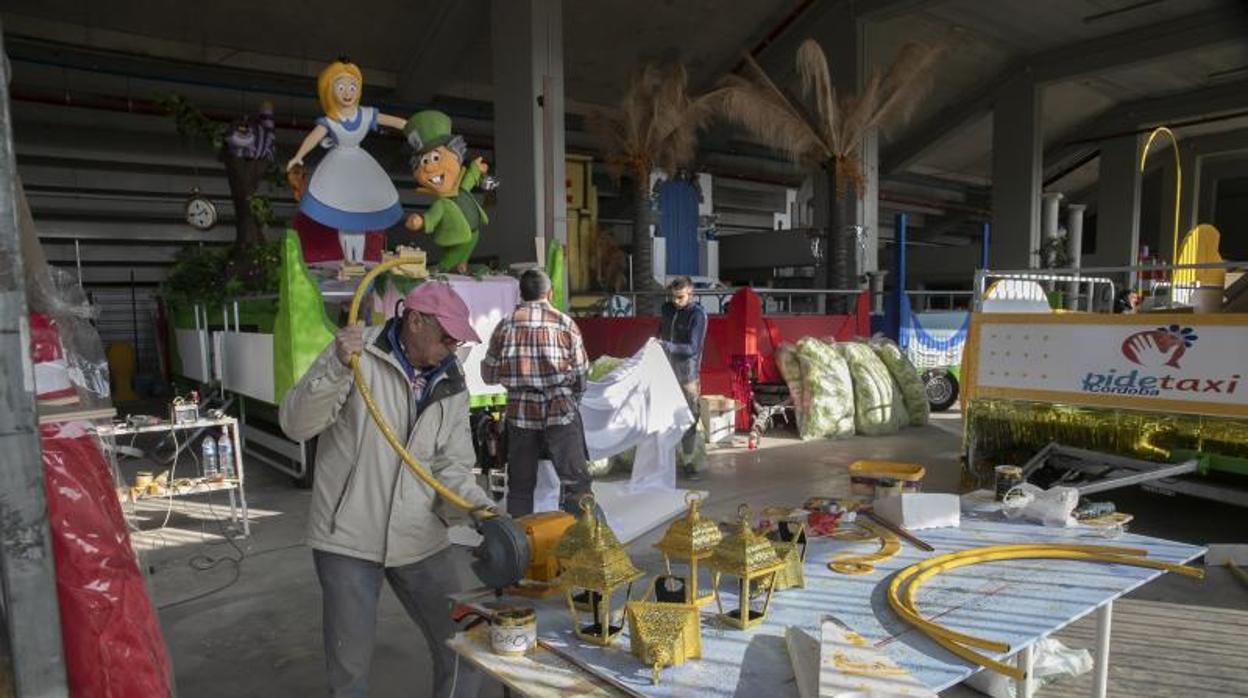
1153	395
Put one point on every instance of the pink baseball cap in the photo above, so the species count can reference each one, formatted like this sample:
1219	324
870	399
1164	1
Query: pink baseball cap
439	300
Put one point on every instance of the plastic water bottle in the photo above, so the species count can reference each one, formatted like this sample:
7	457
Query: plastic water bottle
225	455
208	454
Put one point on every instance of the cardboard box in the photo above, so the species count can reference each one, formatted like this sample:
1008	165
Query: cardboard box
718	416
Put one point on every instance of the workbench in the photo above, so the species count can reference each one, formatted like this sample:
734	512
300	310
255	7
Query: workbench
1017	602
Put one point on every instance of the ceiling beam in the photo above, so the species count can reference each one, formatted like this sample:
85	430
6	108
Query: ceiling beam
436	57
1144	44
817	21
1145	113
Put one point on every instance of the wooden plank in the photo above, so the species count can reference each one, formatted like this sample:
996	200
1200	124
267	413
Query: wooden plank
70	413
540	674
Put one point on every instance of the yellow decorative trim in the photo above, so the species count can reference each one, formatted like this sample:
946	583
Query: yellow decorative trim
1217	319
1126	402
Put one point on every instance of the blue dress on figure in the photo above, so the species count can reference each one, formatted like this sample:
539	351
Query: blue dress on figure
349	190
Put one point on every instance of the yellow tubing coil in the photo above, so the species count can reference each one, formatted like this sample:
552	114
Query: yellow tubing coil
913	576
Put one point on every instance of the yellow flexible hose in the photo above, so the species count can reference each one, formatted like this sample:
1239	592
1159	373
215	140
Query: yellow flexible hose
954	641
443	491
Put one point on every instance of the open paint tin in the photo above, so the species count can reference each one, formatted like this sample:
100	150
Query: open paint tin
513	631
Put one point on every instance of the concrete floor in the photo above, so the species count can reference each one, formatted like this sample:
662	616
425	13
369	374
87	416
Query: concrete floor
260	635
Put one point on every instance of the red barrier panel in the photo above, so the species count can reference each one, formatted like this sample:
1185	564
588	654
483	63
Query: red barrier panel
743	331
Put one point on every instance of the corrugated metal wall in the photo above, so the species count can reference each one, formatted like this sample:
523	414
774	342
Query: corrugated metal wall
129	317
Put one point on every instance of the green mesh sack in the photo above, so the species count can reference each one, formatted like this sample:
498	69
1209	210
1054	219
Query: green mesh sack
601	366
878	407
907	378
826	391
791	370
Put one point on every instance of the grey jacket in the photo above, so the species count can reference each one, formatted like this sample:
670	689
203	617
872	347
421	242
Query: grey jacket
365	502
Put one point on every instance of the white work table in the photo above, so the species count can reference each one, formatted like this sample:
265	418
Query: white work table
1017	602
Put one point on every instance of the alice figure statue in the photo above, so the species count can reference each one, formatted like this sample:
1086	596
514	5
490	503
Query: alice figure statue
348	191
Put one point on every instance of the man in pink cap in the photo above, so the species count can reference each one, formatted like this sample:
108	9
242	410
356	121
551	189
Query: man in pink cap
371	518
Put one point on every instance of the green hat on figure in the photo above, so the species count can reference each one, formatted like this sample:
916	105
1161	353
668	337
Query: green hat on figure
427	130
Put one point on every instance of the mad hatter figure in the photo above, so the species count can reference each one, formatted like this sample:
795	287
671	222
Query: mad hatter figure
349	190
455	218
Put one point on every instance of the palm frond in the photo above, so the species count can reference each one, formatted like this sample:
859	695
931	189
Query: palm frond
812	68
772	121
906	82
656	122
767	90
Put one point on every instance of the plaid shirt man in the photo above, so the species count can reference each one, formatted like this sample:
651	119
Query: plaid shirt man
539	356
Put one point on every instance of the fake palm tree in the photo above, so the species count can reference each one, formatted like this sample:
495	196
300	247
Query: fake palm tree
655	125
825	131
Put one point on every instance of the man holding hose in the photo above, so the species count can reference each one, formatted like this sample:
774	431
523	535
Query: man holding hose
371	518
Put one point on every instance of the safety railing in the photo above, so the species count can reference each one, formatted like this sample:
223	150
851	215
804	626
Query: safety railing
939	301
1095	289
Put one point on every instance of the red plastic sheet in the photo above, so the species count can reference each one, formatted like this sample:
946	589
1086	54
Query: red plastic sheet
113	647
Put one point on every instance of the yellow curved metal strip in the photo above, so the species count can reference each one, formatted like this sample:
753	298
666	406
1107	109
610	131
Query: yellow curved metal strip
1178	179
954	641
848	563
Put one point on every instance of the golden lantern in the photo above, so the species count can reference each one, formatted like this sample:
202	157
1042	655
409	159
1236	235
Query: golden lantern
576	537
663	634
750	558
691	538
599	567
789	539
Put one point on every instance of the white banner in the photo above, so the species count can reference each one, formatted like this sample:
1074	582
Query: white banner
1187	363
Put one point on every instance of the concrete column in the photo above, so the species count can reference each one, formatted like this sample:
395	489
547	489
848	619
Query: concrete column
1118	204
1017	157
527	38
1049	214
1074	249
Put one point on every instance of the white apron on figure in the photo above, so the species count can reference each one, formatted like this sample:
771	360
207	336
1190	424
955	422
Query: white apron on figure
349	191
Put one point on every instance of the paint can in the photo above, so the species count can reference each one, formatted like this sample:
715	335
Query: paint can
1008	477
887	487
513	631
142	480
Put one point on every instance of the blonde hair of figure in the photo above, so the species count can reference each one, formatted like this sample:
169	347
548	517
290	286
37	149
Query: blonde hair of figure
325	85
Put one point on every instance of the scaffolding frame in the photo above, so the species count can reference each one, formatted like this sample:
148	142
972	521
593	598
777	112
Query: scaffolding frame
32	626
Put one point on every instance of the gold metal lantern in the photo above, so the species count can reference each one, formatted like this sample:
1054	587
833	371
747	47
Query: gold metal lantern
789	539
691	538
752	559
600	567
576	537
663	634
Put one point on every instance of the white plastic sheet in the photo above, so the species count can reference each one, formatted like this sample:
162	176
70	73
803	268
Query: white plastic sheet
638	404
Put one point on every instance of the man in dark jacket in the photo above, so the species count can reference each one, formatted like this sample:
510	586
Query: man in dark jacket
682	331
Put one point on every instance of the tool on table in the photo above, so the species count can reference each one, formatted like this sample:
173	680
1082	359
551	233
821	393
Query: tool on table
185	410
901	532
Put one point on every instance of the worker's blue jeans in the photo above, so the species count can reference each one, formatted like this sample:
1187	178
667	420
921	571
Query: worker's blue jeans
350	589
